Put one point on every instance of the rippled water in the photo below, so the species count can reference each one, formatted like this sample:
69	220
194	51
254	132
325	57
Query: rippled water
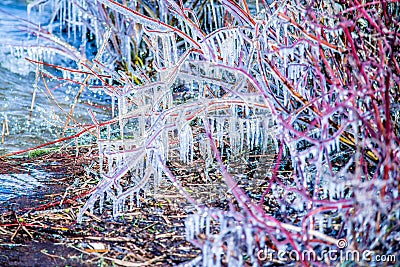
16	92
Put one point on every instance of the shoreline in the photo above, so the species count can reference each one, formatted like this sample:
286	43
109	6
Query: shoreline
41	229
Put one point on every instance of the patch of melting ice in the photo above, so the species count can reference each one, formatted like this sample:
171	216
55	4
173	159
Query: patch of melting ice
12	185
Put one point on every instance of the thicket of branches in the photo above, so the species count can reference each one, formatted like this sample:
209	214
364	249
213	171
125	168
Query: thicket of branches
220	80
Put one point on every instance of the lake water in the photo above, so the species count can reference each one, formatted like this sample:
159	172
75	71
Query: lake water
17	88
16	91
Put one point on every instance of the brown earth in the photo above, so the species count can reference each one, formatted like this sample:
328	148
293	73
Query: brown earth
41	229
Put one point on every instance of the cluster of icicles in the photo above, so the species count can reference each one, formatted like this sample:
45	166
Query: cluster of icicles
145	143
222	233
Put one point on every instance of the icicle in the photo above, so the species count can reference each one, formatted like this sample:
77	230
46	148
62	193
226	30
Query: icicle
249	240
196	223
174	49
220	131
233	135
321	223
166	49
186	144
64	14
138	204
69	10
207	224
206	256
217	253
285	97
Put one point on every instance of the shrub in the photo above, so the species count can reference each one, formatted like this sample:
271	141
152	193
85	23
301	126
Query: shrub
220	80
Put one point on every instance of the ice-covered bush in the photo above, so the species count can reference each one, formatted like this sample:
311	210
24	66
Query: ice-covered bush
215	80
